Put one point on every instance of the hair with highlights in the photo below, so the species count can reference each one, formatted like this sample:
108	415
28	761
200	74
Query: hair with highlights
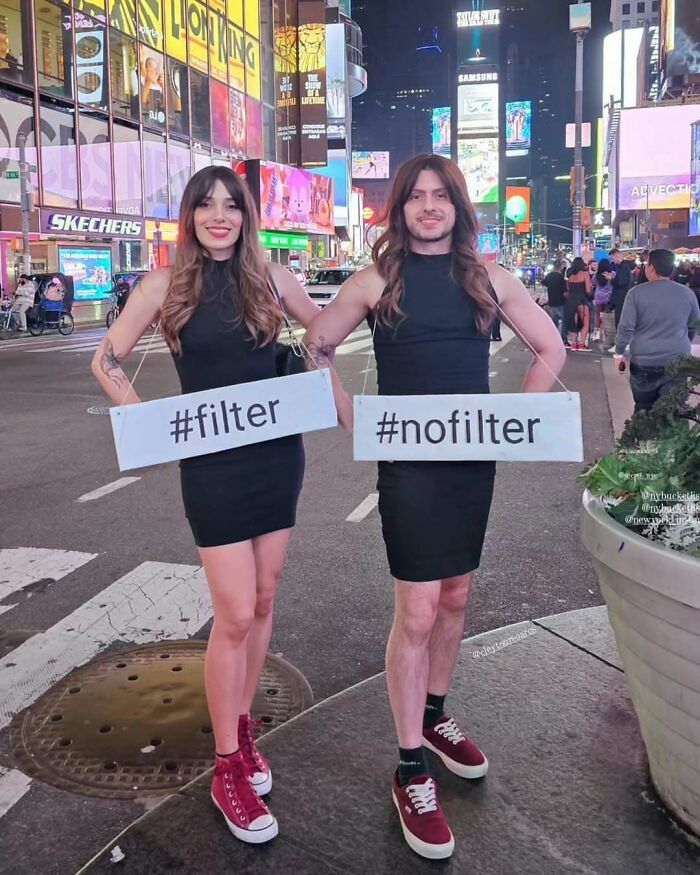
248	278
390	250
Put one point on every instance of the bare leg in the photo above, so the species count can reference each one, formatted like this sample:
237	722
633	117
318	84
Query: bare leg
584	315
447	632
270	552
231	575
415	610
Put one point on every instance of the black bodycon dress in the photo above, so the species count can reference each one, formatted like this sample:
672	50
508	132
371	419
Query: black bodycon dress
434	514
248	491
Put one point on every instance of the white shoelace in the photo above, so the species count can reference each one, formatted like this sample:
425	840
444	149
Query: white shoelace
451	731
423	796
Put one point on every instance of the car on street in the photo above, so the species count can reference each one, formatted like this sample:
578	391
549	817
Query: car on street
325	283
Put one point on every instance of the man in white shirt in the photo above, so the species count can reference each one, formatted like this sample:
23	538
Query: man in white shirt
24	299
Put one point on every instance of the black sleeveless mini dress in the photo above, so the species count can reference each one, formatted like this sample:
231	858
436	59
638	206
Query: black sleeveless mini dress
434	514
244	492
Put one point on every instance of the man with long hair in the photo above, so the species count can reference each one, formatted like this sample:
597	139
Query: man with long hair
431	300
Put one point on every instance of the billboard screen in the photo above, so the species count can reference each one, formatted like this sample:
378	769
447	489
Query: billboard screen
336	78
477	109
654	157
684	58
442	138
295	200
478	34
370	165
518	207
694	220
91	270
488	243
478	161
518	126
287	91
312	83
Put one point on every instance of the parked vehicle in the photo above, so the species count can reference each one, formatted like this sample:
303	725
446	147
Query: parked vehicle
325	284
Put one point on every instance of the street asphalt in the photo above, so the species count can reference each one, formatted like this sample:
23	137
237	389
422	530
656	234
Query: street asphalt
335	602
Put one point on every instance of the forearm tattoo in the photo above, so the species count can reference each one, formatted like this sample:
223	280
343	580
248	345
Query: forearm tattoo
110	364
319	355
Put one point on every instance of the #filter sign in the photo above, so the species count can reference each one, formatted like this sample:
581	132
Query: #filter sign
532	427
220	419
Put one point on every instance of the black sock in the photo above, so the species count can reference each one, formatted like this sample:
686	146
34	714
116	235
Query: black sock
412	763
225	756
434	710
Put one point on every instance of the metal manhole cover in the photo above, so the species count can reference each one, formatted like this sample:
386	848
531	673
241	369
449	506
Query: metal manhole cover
99	410
136	723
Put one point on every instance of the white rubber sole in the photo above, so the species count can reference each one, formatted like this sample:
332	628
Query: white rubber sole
470	772
264	788
423	849
250	836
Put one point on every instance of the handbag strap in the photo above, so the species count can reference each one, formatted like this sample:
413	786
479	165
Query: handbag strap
273	288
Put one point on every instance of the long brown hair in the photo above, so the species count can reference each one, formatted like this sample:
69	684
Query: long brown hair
258	308
391	249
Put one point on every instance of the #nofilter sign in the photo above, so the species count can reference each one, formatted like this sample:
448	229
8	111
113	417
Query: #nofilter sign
537	427
220	419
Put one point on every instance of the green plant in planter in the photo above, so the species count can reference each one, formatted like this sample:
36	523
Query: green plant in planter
651	482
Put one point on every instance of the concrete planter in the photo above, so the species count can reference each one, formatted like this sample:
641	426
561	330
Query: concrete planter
653	599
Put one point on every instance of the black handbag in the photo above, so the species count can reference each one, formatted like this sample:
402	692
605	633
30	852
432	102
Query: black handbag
289	357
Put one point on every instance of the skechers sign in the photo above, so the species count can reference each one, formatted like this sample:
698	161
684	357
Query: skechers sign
90	223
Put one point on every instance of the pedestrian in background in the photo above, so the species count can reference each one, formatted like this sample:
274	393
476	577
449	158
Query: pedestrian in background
621	284
576	312
658	325
602	290
641	274
430	300
220	316
23	300
555	284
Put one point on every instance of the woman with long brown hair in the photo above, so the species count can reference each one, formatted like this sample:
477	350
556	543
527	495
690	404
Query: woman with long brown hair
430	300
220	317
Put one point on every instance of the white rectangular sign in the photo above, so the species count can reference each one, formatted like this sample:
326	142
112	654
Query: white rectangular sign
522	427
220	419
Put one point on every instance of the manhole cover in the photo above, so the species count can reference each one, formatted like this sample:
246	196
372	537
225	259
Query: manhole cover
136	723
99	411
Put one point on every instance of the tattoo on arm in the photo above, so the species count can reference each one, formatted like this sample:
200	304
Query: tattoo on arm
320	355
110	363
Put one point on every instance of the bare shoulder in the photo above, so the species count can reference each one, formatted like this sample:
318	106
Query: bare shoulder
279	273
366	284
502	280
155	284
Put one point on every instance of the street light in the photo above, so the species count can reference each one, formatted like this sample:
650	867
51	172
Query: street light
580	24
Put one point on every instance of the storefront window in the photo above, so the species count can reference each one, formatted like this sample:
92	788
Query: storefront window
122	15
127	157
220	130
125	80
95	164
16	118
58	155
54	48
252	17
201	129
179	173
152	85
151	23
155	176
178	88
268	76
15	41
91	61
252	67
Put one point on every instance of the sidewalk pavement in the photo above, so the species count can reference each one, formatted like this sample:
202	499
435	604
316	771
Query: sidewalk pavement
567	791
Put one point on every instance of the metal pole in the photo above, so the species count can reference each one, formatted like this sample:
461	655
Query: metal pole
578	150
25	201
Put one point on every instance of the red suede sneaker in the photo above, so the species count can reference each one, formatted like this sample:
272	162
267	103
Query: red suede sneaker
256	766
246	815
424	826
457	752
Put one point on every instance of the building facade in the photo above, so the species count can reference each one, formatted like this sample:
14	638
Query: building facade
635	13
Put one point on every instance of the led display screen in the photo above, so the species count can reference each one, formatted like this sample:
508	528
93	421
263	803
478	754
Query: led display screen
442	137
91	270
477	109
518	126
370	165
478	161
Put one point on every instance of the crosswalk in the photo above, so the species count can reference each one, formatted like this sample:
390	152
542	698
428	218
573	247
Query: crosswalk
86	342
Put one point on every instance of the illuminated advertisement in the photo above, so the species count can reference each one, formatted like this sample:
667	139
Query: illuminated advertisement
90	60
335	80
694	219
337	169
478	161
442	134
478	34
239	127
312	83
518	207
287	89
518	126
220	128
151	86
254	128
91	270
176	29
654	157
218	41
477	109
370	165
684	59
488	243
292	199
